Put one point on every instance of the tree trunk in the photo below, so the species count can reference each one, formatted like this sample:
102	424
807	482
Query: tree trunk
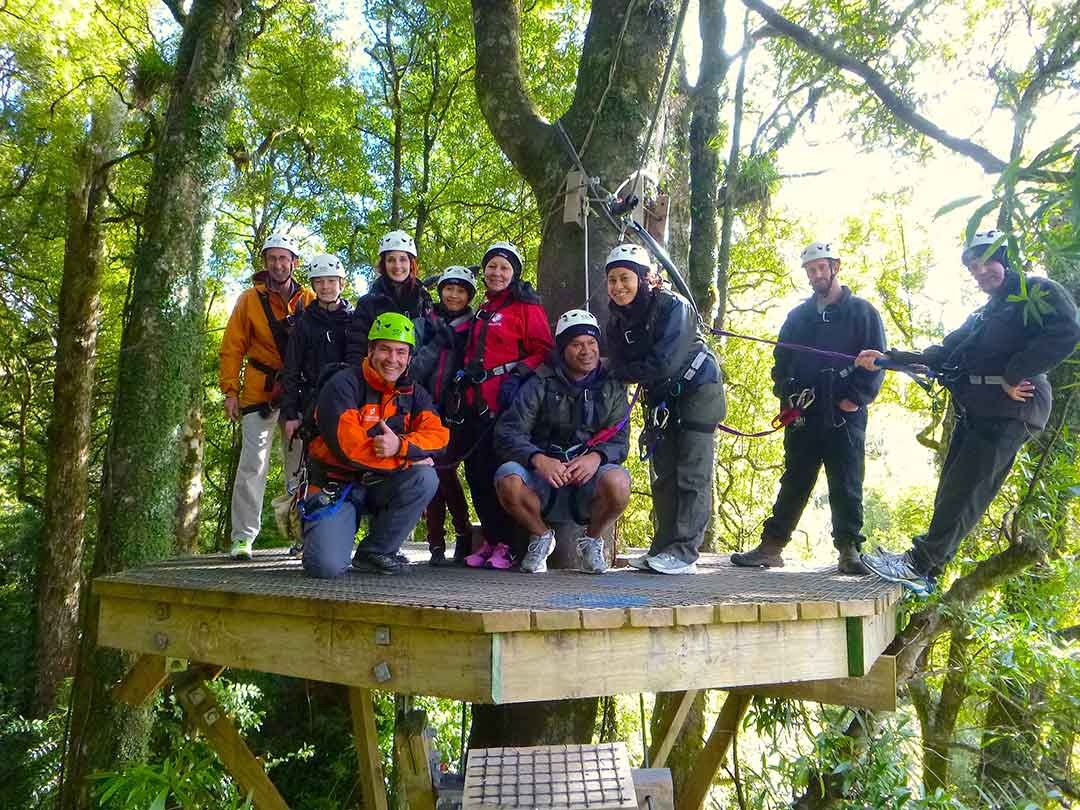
691	740
66	487
161	350
610	141
190	487
705	158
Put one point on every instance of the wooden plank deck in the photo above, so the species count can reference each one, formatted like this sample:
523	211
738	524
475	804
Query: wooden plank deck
496	636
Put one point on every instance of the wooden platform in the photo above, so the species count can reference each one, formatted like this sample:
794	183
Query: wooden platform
504	637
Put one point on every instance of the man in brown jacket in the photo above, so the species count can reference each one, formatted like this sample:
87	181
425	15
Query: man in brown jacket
258	332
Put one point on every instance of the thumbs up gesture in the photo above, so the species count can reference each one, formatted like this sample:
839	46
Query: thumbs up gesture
386	442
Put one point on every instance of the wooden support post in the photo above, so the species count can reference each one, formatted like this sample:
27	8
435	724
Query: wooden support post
696	789
677	710
367	749
413	757
144	678
202	710
876	690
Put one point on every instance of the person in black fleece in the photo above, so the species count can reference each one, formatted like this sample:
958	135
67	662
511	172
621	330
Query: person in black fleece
832	431
397	289
318	341
995	367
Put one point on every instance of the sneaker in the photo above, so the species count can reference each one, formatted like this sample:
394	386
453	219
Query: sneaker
540	548
401	558
591	551
377	563
501	558
296	549
664	563
849	562
480	556
640	563
462	547
898	568
241	549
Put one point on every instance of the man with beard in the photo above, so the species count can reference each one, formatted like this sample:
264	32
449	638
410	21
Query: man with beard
565	436
832	431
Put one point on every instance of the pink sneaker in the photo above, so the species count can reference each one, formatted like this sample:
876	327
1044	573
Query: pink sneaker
501	557
480	556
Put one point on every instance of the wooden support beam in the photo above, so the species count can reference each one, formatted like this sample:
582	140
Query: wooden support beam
366	739
413	756
875	690
671	724
696	788
145	677
202	710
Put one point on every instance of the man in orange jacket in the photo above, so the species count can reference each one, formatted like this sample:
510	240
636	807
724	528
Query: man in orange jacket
258	332
378	434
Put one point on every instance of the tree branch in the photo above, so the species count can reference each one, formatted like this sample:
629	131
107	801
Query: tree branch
901	109
177	11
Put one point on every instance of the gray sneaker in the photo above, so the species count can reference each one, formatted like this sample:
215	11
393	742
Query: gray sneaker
898	568
540	548
591	551
664	563
640	563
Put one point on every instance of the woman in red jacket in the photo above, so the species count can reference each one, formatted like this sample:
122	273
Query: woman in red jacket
510	337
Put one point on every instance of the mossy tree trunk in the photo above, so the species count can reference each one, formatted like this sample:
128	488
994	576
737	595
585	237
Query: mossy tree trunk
609	138
66	485
160	352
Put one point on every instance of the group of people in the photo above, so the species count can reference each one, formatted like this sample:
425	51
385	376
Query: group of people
389	397
379	404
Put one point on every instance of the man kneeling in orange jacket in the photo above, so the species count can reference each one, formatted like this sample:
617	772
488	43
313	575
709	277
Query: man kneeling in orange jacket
378	433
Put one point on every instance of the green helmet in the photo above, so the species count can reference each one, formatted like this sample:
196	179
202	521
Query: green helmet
393	326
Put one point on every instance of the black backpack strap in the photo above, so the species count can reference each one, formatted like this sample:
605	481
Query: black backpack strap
280	328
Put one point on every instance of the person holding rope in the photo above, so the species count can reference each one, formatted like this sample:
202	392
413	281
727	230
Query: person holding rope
655	339
258	332
565	438
995	367
834	397
397	289
435	366
508	340
378	435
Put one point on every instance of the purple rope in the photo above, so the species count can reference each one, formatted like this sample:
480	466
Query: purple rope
798	347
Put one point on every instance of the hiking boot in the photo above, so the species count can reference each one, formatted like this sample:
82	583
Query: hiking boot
462	547
664	563
438	557
501	558
540	548
377	563
766	555
241	549
480	556
899	568
591	551
849	562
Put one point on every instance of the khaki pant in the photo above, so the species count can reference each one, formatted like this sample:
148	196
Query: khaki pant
247	498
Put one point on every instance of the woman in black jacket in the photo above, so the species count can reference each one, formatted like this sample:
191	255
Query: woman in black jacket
654	339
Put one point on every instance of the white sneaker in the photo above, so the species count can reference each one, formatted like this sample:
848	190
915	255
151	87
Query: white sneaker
665	563
591	551
640	563
241	549
540	548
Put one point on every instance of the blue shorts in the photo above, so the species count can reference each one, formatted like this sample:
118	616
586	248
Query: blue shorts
571	504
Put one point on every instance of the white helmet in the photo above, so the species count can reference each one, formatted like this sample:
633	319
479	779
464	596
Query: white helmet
628	253
326	265
397	240
504	248
818	250
576	317
458	275
282	240
981	243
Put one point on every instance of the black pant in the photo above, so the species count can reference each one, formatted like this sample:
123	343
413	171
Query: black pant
481	462
841	449
981	452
